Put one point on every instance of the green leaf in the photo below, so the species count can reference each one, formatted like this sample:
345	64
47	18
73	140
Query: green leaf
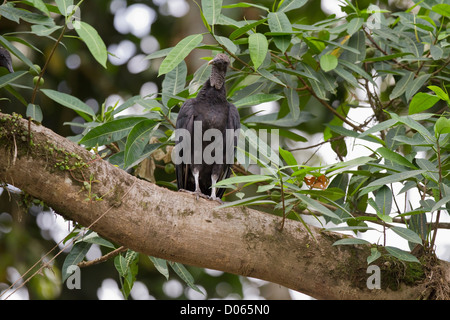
16	14
387	57
355	51
247	201
328	62
288	5
257	99
354	25
440	93
436	52
109	132
227	43
421	102
128	268
317	86
298	73
351	228
137	140
380	212
383	200
374	255
357	70
431	170
69	102
397	177
347	76
245	5
11	48
402	85
407	234
395	157
378	127
279	22
401	255
39	4
268	75
131	101
161	266
184	274
63	5
93	41
416	85
10	77
211	10
35	112
440	204
243	179
443	9
258	46
94	238
174	82
350	241
76	255
415	140
288	157
179	52
239	32
329	194
442	126
121	265
347	165
293	101
317	206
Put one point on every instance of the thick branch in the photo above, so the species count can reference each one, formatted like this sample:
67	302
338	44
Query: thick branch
177	227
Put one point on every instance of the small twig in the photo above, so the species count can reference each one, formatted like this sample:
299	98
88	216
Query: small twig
33	97
318	144
168	119
438	151
282	201
104	258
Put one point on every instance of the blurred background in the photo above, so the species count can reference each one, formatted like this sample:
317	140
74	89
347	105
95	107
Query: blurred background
131	30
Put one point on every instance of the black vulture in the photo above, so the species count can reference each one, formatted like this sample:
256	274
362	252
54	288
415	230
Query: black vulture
5	60
208	126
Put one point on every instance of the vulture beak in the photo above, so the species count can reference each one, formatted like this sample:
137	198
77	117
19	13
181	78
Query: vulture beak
211	61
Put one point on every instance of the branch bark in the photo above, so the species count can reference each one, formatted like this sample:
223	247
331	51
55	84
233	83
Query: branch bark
177	227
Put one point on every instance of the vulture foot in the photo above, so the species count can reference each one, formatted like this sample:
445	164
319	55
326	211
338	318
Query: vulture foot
196	193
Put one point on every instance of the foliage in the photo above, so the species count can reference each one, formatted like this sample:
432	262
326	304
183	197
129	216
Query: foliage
395	64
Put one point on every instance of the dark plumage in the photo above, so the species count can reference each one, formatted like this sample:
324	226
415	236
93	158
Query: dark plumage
215	112
5	60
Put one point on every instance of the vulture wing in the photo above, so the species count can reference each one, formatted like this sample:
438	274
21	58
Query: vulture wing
235	124
185	121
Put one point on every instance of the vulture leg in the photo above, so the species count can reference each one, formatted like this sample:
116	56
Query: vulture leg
214	178
197	185
198	191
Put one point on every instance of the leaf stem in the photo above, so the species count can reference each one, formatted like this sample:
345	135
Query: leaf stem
436	226
33	97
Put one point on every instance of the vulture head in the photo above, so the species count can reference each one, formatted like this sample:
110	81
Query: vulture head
219	69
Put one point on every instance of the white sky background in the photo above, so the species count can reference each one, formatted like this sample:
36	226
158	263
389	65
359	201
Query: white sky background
137	19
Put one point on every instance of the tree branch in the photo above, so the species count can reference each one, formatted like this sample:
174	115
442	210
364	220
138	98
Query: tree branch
175	226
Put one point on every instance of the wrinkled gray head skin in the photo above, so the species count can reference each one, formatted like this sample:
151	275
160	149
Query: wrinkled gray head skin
5	60
219	69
